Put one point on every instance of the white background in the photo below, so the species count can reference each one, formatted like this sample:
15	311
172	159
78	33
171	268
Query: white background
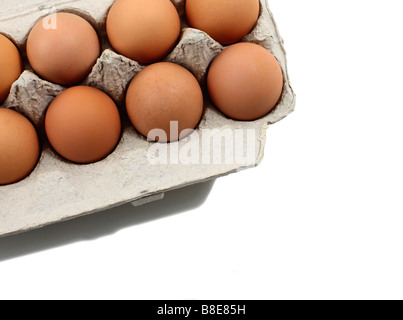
321	218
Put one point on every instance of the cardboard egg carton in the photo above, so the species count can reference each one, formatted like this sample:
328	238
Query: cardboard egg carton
138	171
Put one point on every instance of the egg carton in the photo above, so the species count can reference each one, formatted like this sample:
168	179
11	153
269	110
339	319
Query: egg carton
58	190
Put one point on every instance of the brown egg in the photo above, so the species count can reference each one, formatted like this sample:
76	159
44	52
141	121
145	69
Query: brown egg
161	93
83	124
245	81
226	21
10	66
63	48
19	147
143	30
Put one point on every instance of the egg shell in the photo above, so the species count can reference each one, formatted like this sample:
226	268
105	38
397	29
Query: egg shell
19	147
10	66
161	93
83	124
143	30
226	21
245	81
65	52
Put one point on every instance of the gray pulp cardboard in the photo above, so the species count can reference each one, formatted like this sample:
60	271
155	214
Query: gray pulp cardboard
136	172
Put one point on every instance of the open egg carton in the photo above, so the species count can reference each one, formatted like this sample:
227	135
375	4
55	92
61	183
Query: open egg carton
58	190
